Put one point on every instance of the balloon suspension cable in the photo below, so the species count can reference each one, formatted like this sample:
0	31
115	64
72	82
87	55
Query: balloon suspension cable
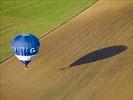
25	67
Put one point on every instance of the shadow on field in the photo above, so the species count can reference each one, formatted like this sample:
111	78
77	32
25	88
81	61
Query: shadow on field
99	55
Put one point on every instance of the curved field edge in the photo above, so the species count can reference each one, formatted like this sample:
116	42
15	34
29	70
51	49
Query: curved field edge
17	17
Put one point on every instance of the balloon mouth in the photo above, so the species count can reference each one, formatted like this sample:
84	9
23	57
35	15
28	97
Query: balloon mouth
25	62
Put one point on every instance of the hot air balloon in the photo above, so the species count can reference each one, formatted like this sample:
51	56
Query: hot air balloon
25	47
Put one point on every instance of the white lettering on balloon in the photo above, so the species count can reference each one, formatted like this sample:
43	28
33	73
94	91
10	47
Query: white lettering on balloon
32	50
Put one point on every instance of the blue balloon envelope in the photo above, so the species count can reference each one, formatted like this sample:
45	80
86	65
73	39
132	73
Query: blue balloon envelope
25	47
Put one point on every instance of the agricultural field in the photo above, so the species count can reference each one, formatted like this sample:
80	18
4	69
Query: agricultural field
90	57
34	16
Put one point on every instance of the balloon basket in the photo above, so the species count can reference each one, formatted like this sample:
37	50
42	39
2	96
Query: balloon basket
25	67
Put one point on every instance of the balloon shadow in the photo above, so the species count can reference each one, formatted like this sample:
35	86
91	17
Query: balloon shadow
99	55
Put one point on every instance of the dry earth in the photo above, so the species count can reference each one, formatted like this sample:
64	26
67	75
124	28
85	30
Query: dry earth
88	58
